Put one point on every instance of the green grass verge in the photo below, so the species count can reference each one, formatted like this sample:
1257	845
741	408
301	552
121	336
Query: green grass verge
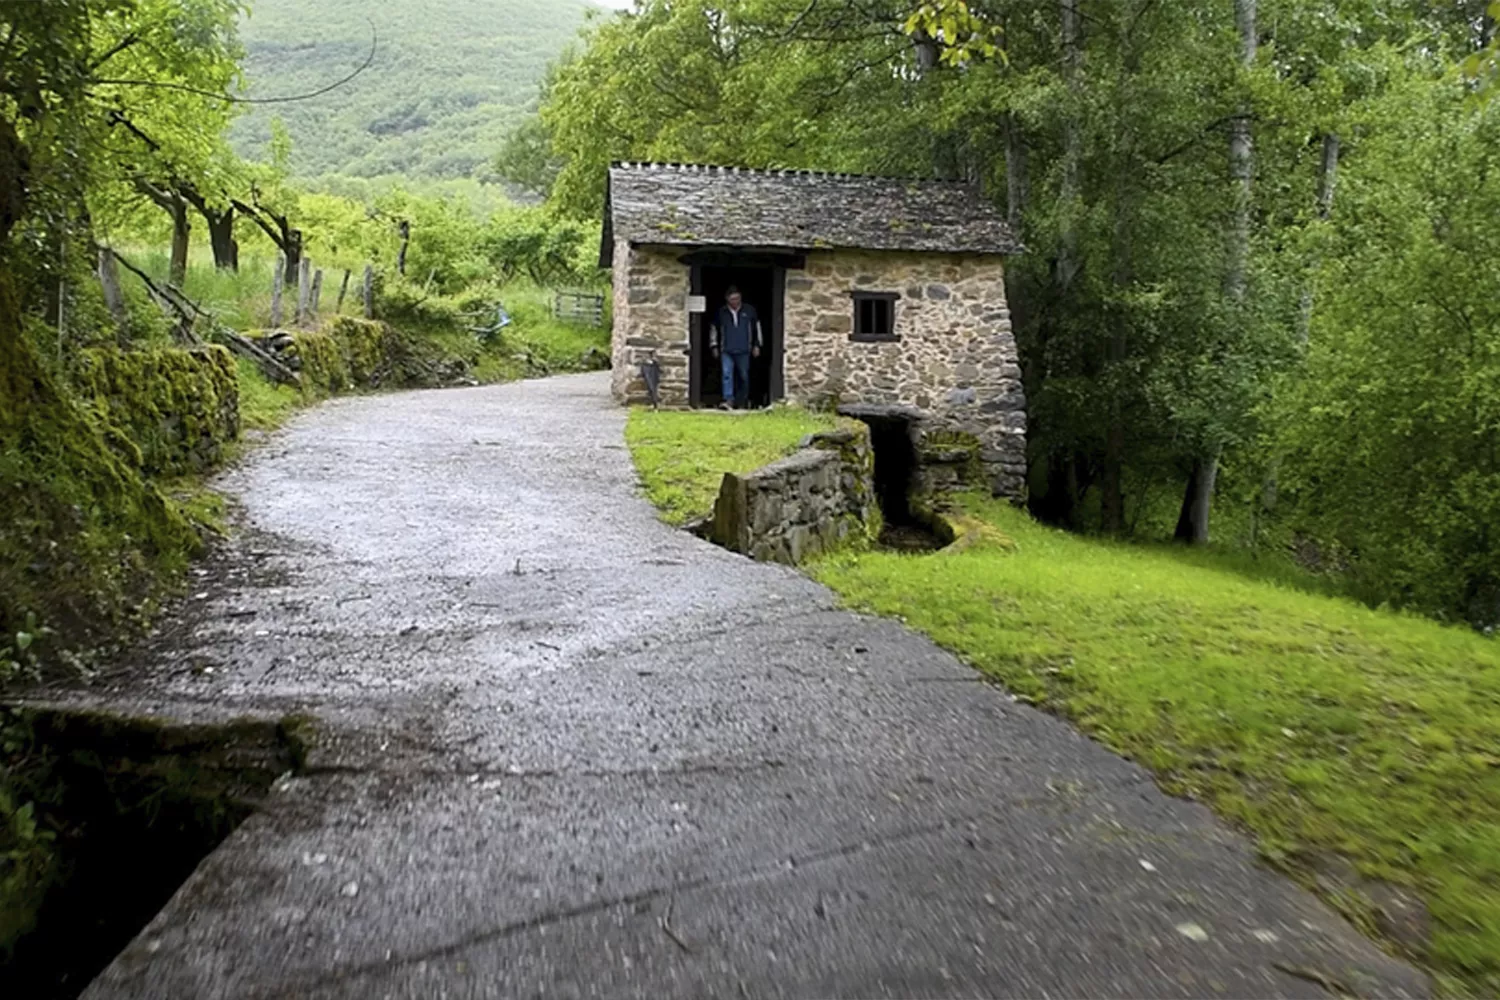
682	457
1338	735
1328	729
264	406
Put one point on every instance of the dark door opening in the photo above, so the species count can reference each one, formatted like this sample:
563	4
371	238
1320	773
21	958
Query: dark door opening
758	287
895	465
906	527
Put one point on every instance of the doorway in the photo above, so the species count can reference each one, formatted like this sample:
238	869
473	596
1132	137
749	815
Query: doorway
906	527
760	286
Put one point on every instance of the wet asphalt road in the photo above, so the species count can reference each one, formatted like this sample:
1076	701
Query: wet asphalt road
568	751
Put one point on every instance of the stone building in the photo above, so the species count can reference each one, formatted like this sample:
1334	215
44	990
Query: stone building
882	297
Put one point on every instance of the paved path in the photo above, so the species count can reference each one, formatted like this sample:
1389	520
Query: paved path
572	752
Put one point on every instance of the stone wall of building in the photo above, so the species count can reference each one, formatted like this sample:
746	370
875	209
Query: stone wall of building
651	323
954	359
804	504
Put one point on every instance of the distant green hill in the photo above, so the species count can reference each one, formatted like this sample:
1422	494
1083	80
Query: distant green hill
450	78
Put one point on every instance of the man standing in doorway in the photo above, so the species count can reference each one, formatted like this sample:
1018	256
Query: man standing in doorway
739	327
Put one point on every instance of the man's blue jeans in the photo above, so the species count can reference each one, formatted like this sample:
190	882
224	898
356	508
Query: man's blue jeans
736	377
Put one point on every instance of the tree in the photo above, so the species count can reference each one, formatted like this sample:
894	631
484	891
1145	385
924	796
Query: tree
1390	439
102	92
273	202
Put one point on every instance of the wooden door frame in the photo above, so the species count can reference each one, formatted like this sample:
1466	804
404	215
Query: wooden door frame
695	340
697	332
778	332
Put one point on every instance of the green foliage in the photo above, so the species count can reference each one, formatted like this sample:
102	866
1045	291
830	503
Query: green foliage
1391	435
961	34
682	457
449	80
29	862
264	405
549	251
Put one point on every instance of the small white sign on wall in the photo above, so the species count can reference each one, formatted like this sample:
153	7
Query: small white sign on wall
697	304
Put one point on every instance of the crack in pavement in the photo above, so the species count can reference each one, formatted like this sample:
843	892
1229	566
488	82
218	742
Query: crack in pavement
632	899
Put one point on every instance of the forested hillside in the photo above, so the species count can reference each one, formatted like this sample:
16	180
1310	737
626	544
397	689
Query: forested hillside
449	80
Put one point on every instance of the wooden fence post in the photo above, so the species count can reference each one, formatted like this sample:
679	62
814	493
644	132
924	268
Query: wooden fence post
304	288
343	290
317	293
278	278
369	291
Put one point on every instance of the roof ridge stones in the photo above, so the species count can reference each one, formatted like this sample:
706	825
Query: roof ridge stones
687	204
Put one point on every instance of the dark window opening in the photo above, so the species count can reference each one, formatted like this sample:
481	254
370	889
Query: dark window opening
875	316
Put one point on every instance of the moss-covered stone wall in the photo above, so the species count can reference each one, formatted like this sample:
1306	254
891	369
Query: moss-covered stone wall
351	353
178	408
83	534
808	503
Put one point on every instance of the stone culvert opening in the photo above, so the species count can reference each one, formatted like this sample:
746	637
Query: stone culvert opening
907	525
107	817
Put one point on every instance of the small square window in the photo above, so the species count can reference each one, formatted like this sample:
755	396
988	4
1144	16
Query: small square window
874	316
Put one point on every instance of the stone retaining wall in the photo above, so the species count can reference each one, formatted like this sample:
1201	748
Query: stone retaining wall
349	353
174	409
807	503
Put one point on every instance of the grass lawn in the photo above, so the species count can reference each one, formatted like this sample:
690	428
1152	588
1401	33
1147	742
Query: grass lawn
682	457
1338	735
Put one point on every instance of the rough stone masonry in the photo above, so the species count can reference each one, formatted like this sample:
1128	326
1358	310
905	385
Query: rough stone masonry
953	356
934	250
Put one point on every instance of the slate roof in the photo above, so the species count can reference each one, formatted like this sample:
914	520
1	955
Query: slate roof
687	205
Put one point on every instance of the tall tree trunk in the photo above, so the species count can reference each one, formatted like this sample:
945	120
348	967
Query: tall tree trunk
1192	520
1197	499
221	237
181	232
114	296
1122	274
1241	165
403	228
220	223
171	200
1328	167
15	168
1068	192
1015	171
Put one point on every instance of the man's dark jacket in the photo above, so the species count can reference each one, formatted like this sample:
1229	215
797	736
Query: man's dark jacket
736	337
